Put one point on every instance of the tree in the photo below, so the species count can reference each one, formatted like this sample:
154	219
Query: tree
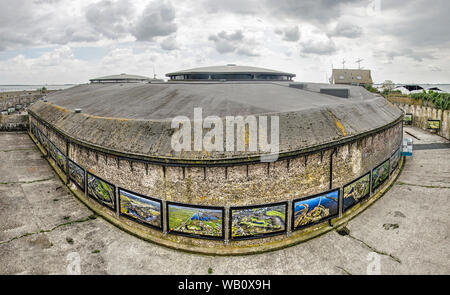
388	86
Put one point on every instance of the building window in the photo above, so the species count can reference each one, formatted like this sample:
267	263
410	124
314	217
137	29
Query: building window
341	77
358	77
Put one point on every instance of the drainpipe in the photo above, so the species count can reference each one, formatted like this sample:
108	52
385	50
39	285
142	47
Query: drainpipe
331	167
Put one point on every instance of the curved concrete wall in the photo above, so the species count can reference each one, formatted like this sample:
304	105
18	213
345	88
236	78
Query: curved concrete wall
227	186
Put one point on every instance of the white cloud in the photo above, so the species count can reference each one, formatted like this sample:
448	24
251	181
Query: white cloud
156	20
37	38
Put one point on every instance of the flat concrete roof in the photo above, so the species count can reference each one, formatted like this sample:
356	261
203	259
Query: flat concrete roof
160	101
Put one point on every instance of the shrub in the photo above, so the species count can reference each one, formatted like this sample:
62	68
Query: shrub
439	100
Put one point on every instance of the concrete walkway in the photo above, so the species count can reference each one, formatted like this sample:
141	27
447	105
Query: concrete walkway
41	223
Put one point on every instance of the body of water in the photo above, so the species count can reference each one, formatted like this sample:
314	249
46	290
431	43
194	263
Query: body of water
10	88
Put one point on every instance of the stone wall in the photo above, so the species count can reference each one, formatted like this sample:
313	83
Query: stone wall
238	185
422	113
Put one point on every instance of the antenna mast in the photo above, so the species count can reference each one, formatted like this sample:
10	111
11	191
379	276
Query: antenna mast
343	63
359	63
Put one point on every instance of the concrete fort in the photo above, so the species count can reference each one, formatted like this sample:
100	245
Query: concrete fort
116	157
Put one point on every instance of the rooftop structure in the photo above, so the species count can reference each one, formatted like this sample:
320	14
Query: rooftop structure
410	89
124	78
351	77
230	72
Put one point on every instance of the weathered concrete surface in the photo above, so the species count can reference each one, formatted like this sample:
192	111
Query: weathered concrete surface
14	122
409	227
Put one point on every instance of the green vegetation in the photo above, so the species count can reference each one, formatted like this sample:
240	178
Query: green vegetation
439	100
380	174
275	213
145	210
357	189
69	240
95	251
263	220
199	221
371	88
101	190
433	124
210	270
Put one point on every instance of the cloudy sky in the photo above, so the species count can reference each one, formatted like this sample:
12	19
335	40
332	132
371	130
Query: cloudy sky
66	41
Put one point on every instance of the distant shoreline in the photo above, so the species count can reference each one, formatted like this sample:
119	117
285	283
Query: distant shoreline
20	88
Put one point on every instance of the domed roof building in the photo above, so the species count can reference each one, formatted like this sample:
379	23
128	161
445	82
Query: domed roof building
124	78
122	135
230	72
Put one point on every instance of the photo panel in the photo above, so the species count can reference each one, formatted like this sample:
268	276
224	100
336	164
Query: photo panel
76	174
140	208
380	174
38	135
195	221
58	156
407	119
395	159
315	209
434	124
45	142
356	191
257	221
101	191
34	130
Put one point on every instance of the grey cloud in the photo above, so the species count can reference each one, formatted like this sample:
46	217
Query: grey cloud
247	52
312	10
110	18
305	10
232	6
233	42
346	30
289	34
417	55
423	25
325	47
169	44
224	36
24	24
156	20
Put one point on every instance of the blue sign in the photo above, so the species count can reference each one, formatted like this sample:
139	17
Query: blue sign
407	147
